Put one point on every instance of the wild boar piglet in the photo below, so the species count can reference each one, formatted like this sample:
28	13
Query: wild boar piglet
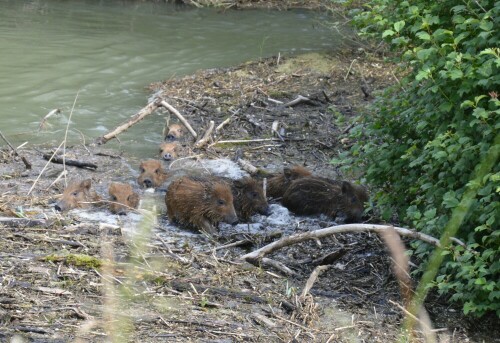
316	195
278	184
78	194
123	198
152	174
200	202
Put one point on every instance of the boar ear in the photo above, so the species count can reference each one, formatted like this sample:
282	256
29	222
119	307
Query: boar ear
287	172
346	187
86	183
238	183
133	200
112	187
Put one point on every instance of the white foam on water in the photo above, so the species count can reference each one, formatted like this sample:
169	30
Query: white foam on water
219	167
224	167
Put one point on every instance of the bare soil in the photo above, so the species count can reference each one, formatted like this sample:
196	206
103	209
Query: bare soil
170	285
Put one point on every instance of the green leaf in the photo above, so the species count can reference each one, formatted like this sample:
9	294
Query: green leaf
467	104
455	74
398	26
425	53
423	35
388	33
486	25
449	200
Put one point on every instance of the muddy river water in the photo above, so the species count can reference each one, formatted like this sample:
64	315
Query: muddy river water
104	53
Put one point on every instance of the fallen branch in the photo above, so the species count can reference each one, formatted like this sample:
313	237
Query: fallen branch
277	265
147	110
25	161
180	116
206	137
286	241
247	166
74	163
296	101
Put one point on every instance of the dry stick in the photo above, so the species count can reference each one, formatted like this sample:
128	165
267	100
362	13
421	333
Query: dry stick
247	166
349	70
296	101
278	265
65	138
178	115
286	241
424	321
50	114
244	141
25	161
206	137
79	164
45	167
225	122
312	279
145	111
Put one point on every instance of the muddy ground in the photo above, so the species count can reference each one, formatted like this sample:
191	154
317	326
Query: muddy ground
90	276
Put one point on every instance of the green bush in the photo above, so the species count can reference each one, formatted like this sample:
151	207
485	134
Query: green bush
424	137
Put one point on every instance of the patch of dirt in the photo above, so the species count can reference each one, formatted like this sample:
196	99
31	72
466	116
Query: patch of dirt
159	283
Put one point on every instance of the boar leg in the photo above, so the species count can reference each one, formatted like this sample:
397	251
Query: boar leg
208	227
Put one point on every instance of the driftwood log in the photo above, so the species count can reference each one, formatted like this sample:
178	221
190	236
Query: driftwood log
258	254
150	108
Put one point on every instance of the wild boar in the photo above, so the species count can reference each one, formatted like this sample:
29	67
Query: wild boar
315	195
277	185
249	198
123	198
170	151
152	174
200	202
175	132
77	195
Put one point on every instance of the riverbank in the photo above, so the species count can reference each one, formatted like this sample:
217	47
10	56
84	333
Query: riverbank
80	277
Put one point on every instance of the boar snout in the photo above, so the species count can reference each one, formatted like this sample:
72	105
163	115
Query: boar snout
170	137
148	183
167	156
265	211
233	220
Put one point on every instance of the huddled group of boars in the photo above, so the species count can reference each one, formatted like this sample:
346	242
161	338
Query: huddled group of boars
203	201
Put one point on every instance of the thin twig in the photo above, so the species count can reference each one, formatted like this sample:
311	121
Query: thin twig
206	137
179	116
25	161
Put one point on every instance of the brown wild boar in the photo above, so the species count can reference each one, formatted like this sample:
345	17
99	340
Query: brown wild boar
200	203
123	198
170	151
277	185
152	174
175	132
77	195
249	198
315	195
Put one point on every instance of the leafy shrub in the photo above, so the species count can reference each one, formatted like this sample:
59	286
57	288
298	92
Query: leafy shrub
425	136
